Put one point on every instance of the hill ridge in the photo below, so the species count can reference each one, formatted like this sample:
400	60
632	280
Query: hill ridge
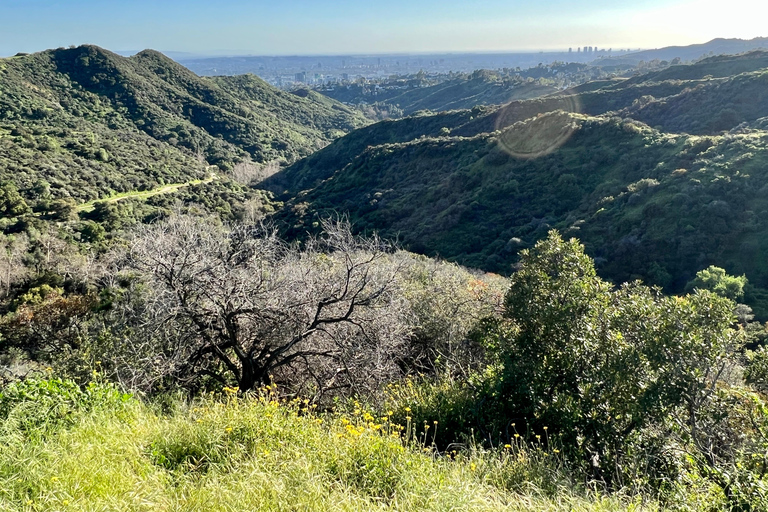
97	113
655	197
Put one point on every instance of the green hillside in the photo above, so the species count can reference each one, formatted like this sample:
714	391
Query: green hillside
718	66
706	97
90	123
646	204
708	108
309	172
476	186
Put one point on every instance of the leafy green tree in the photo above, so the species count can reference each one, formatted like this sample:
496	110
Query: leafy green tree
91	231
63	209
756	369
717	281
41	189
11	202
593	365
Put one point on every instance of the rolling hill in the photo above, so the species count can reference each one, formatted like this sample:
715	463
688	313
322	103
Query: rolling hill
90	123
707	108
648	95
476	186
702	98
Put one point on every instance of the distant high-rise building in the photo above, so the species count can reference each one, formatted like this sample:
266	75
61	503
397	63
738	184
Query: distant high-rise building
570	50
301	77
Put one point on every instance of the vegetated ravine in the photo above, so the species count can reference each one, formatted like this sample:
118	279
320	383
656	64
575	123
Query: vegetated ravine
659	176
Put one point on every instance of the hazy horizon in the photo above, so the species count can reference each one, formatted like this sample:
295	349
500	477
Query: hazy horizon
303	27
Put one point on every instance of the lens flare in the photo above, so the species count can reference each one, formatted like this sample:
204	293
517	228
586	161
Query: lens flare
534	128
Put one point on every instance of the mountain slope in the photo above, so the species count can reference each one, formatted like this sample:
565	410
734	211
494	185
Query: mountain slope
646	204
92	123
708	108
719	66
311	171
717	46
464	198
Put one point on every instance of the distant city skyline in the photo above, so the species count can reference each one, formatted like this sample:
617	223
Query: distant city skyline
317	27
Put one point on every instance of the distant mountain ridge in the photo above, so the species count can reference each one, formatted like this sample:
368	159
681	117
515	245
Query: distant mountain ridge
719	46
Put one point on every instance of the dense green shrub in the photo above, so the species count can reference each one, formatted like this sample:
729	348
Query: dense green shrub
596	365
717	281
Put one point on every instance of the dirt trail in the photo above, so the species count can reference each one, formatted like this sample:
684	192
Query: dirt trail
144	194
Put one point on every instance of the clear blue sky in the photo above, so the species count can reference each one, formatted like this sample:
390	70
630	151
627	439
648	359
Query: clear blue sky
378	26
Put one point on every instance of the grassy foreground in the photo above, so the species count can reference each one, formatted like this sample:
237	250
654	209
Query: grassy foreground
65	449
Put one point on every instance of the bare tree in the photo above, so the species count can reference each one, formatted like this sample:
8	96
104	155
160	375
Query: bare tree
48	251
251	173
248	306
445	301
12	269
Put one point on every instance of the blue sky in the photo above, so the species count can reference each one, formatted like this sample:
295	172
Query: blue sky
360	26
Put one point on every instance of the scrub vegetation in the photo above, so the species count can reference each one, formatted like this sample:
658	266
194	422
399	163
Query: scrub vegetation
500	308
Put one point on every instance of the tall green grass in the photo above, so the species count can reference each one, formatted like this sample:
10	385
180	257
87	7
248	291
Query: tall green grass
253	453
